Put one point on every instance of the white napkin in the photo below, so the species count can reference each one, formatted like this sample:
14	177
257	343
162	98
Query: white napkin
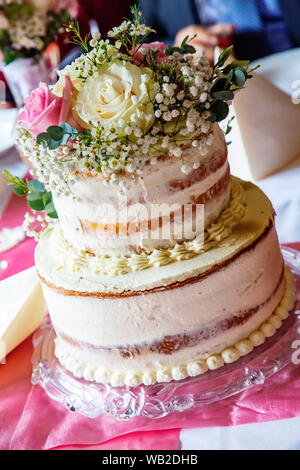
269	124
22	309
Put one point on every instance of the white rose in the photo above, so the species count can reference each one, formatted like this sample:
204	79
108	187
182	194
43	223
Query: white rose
117	91
72	72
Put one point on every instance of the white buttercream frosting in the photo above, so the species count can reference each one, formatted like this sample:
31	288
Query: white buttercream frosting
92	216
80	272
118	265
193	368
199	307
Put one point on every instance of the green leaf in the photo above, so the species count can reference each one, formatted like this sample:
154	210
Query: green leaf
43	139
35	201
189	49
35	185
185	41
219	85
239	78
220	109
229	78
20	190
235	64
54	144
10	56
177	49
56	132
51	211
47	197
66	128
224	56
225	95
229	127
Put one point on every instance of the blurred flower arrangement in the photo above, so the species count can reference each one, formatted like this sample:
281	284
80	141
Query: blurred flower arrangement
27	27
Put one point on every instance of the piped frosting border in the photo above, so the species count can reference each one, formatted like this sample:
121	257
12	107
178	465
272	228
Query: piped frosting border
118	265
192	369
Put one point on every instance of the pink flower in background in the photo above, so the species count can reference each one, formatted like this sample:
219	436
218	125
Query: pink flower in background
144	48
43	109
70	5
4	23
56	6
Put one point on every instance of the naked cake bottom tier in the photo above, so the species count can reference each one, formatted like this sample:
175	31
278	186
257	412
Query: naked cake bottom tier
170	321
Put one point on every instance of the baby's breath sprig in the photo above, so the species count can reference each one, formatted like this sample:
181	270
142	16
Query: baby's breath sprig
73	27
131	34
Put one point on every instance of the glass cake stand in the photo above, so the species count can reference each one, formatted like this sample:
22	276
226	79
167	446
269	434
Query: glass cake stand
158	400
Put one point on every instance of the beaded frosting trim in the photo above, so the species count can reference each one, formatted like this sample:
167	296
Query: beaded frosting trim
194	368
118	265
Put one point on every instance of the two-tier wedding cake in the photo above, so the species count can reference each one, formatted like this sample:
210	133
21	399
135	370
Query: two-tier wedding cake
161	265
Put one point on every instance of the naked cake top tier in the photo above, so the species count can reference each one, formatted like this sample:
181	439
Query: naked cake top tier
130	125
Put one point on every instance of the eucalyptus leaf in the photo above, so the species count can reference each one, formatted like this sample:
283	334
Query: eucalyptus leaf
46	198
43	139
51	211
55	132
66	128
235	64
220	109
35	201
225	95
35	185
239	78
229	78
54	144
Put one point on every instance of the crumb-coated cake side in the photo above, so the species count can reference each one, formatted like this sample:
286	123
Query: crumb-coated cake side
130	326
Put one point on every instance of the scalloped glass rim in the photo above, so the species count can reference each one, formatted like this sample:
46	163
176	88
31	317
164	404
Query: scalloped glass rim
155	401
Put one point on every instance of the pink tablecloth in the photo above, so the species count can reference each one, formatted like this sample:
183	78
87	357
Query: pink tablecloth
30	420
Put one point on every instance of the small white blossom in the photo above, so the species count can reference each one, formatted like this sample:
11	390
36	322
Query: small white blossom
159	98
203	97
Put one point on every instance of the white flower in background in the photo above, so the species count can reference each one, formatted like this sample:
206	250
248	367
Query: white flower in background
117	91
28	32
